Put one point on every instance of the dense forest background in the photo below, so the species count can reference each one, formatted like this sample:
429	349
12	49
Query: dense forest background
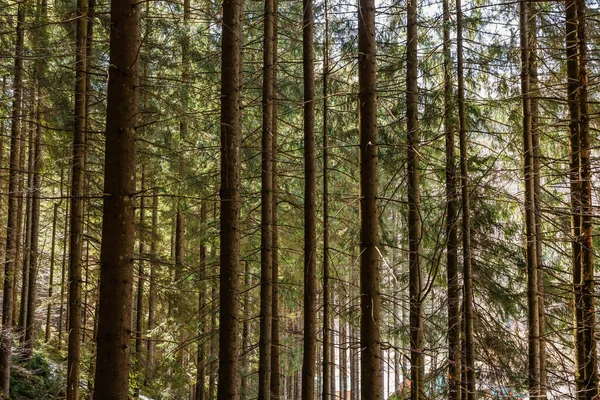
295	200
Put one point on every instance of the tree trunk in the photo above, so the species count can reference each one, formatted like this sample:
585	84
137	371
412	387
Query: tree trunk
586	325
535	140
454	311
51	277
310	236
12	221
370	300
35	230
231	132
275	351
414	200
22	324
62	325
266	229
571	7
139	314
528	175
118	231
77	214
326	259
469	357
152	284
200	393
246	345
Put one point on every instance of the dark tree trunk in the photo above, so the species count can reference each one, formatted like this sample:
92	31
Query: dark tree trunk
310	219
12	212
414	200
77	214
231	132
139	314
528	175
583	268
370	300
469	356
326	259
118	230
275	358
535	140
246	345
266	229
454	311
35	231
200	393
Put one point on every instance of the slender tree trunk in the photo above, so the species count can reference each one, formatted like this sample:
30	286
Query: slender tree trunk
77	212
118	231
414	200
246	345
452	207
370	301
200	393
588	321
231	132
275	351
343	346
571	7
528	175
139	315
12	220
535	140
19	258
152	284
326	260
51	277
469	357
61	322
310	236
35	230
266	234
22	328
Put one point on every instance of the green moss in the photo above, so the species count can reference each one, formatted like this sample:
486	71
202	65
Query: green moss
34	379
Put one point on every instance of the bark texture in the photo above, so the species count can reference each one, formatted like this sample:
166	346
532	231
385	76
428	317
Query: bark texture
118	230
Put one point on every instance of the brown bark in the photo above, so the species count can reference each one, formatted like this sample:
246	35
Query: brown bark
528	176
585	287
118	231
12	219
266	229
452	220
246	345
370	300
152	283
139	313
51	277
200	392
62	325
310	237
275	351
35	230
535	140
326	259
414	200
77	212
575	186
26	252
231	132
469	356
